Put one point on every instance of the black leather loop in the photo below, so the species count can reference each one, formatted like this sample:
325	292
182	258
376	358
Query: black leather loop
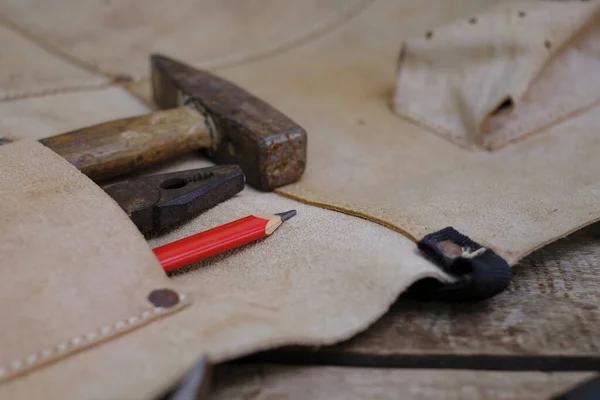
479	271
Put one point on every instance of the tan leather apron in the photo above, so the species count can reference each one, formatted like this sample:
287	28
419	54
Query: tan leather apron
401	101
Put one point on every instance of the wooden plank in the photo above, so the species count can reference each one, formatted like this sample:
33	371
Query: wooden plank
548	319
285	382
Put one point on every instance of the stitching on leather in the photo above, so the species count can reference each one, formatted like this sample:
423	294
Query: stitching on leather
74	86
80	342
50	48
65	56
129	87
225	62
317	31
348	209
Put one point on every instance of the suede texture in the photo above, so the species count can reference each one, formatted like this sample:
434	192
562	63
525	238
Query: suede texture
331	66
320	278
511	71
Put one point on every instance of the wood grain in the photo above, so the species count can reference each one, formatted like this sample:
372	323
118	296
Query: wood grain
115	148
548	319
272	382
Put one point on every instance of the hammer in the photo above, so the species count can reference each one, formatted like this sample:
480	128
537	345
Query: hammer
199	111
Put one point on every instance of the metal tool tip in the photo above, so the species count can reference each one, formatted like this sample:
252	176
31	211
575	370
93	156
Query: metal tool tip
157	57
286	215
196	384
162	61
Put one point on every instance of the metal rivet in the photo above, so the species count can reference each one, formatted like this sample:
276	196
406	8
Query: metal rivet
450	249
164	298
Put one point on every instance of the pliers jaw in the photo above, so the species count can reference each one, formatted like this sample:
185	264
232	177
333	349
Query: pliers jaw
157	202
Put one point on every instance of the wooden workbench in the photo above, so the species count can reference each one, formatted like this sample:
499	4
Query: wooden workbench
537	339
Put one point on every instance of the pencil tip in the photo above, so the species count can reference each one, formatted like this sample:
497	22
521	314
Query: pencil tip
286	215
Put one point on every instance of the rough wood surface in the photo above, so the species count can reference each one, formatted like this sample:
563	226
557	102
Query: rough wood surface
548	319
270	382
115	148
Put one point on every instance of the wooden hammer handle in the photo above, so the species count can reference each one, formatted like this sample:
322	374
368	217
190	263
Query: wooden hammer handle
118	147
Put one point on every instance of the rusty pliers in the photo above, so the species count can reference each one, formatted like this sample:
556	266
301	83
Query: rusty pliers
157	202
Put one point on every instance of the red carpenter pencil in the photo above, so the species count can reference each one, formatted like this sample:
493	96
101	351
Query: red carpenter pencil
214	241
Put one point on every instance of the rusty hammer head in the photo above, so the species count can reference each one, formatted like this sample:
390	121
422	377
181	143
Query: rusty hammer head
269	147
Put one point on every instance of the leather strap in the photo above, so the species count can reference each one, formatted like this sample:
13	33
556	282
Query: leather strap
480	272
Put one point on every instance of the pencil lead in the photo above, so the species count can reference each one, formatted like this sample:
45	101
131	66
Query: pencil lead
286	215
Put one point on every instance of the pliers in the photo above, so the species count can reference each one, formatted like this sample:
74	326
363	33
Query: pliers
157	202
